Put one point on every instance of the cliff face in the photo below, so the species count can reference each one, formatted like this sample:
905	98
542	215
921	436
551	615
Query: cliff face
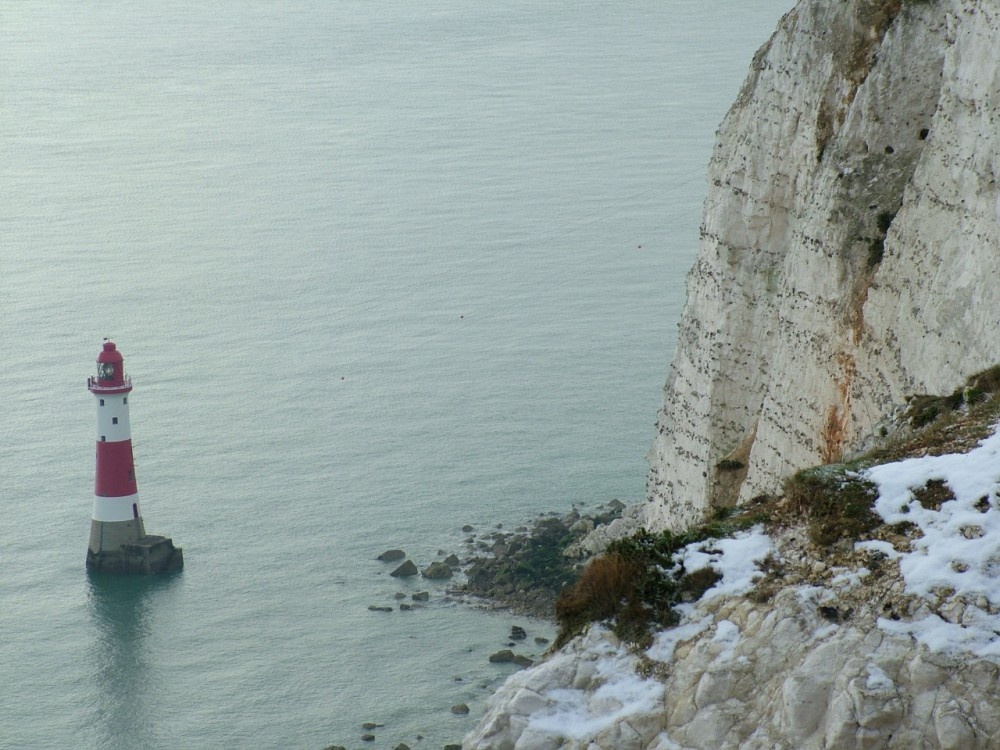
849	248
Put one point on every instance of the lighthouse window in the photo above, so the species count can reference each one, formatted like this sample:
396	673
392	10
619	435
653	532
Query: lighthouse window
102	402
114	420
124	399
104	438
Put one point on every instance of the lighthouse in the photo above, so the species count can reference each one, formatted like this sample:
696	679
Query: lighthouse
118	538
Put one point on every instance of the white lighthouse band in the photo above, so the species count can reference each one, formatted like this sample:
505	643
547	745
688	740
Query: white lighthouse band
117	508
112	417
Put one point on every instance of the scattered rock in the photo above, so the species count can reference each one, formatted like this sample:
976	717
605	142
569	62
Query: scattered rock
506	656
452	561
405	570
392	555
517	633
405	607
452	747
334	747
371	725
436	570
368	738
399	595
466	529
541	641
421	596
375	608
460	708
402	746
523	661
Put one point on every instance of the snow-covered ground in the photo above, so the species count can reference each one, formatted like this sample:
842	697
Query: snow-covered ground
957	557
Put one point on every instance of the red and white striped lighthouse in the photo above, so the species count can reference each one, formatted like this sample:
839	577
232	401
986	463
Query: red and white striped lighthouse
118	539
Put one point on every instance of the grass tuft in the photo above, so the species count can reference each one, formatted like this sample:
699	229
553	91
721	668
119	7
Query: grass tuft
837	502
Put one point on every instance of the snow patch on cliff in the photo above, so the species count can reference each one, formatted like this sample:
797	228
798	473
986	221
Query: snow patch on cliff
734	559
577	714
957	557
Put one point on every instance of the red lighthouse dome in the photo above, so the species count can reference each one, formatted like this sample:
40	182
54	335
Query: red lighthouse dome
111	376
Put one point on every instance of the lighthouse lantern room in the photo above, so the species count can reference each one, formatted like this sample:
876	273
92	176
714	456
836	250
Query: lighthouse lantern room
118	539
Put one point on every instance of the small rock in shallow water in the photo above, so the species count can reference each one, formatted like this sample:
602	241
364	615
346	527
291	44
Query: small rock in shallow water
368	738
517	633
523	661
371	725
421	596
391	555
460	708
402	746
502	657
541	641
467	528
374	608
436	570
452	561
405	570
405	607
399	595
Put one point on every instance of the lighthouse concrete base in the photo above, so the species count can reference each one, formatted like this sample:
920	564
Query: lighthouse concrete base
147	555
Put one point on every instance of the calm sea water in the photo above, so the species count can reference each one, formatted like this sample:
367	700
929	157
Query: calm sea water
378	270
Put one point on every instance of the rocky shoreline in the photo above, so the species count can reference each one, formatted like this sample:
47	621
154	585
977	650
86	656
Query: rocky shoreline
520	571
523	571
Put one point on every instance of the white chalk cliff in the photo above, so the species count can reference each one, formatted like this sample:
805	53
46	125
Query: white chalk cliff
849	257
850	246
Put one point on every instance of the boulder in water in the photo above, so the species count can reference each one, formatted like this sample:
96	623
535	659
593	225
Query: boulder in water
505	656
405	570
436	570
